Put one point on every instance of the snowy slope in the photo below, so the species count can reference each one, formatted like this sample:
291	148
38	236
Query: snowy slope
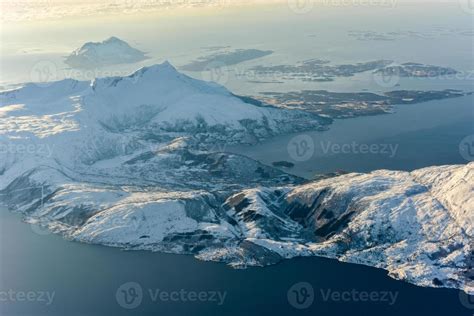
136	162
386	219
416	225
112	117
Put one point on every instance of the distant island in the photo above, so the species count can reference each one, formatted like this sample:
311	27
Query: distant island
320	70
416	70
111	51
438	31
351	104
225	58
317	70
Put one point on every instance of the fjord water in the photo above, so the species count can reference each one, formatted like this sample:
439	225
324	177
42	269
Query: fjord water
84	280
420	135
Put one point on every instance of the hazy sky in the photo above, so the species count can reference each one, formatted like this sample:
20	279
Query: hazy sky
21	10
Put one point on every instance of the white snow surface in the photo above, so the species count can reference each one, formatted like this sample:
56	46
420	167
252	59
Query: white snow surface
108	52
125	162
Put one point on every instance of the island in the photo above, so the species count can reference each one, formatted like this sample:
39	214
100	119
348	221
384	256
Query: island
111	51
226	58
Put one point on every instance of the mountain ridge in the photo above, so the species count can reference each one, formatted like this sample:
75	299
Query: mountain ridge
136	163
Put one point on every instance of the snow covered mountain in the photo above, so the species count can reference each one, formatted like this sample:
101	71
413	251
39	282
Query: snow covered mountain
108	52
417	225
154	106
137	162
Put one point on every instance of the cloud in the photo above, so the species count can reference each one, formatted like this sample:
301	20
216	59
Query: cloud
21	10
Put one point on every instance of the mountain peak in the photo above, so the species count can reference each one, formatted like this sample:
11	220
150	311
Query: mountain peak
112	39
164	66
159	76
108	52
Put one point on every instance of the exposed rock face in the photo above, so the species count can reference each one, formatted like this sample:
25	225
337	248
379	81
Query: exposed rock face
134	162
416	225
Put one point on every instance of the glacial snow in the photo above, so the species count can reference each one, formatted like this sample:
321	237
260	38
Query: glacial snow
136	162
108	52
